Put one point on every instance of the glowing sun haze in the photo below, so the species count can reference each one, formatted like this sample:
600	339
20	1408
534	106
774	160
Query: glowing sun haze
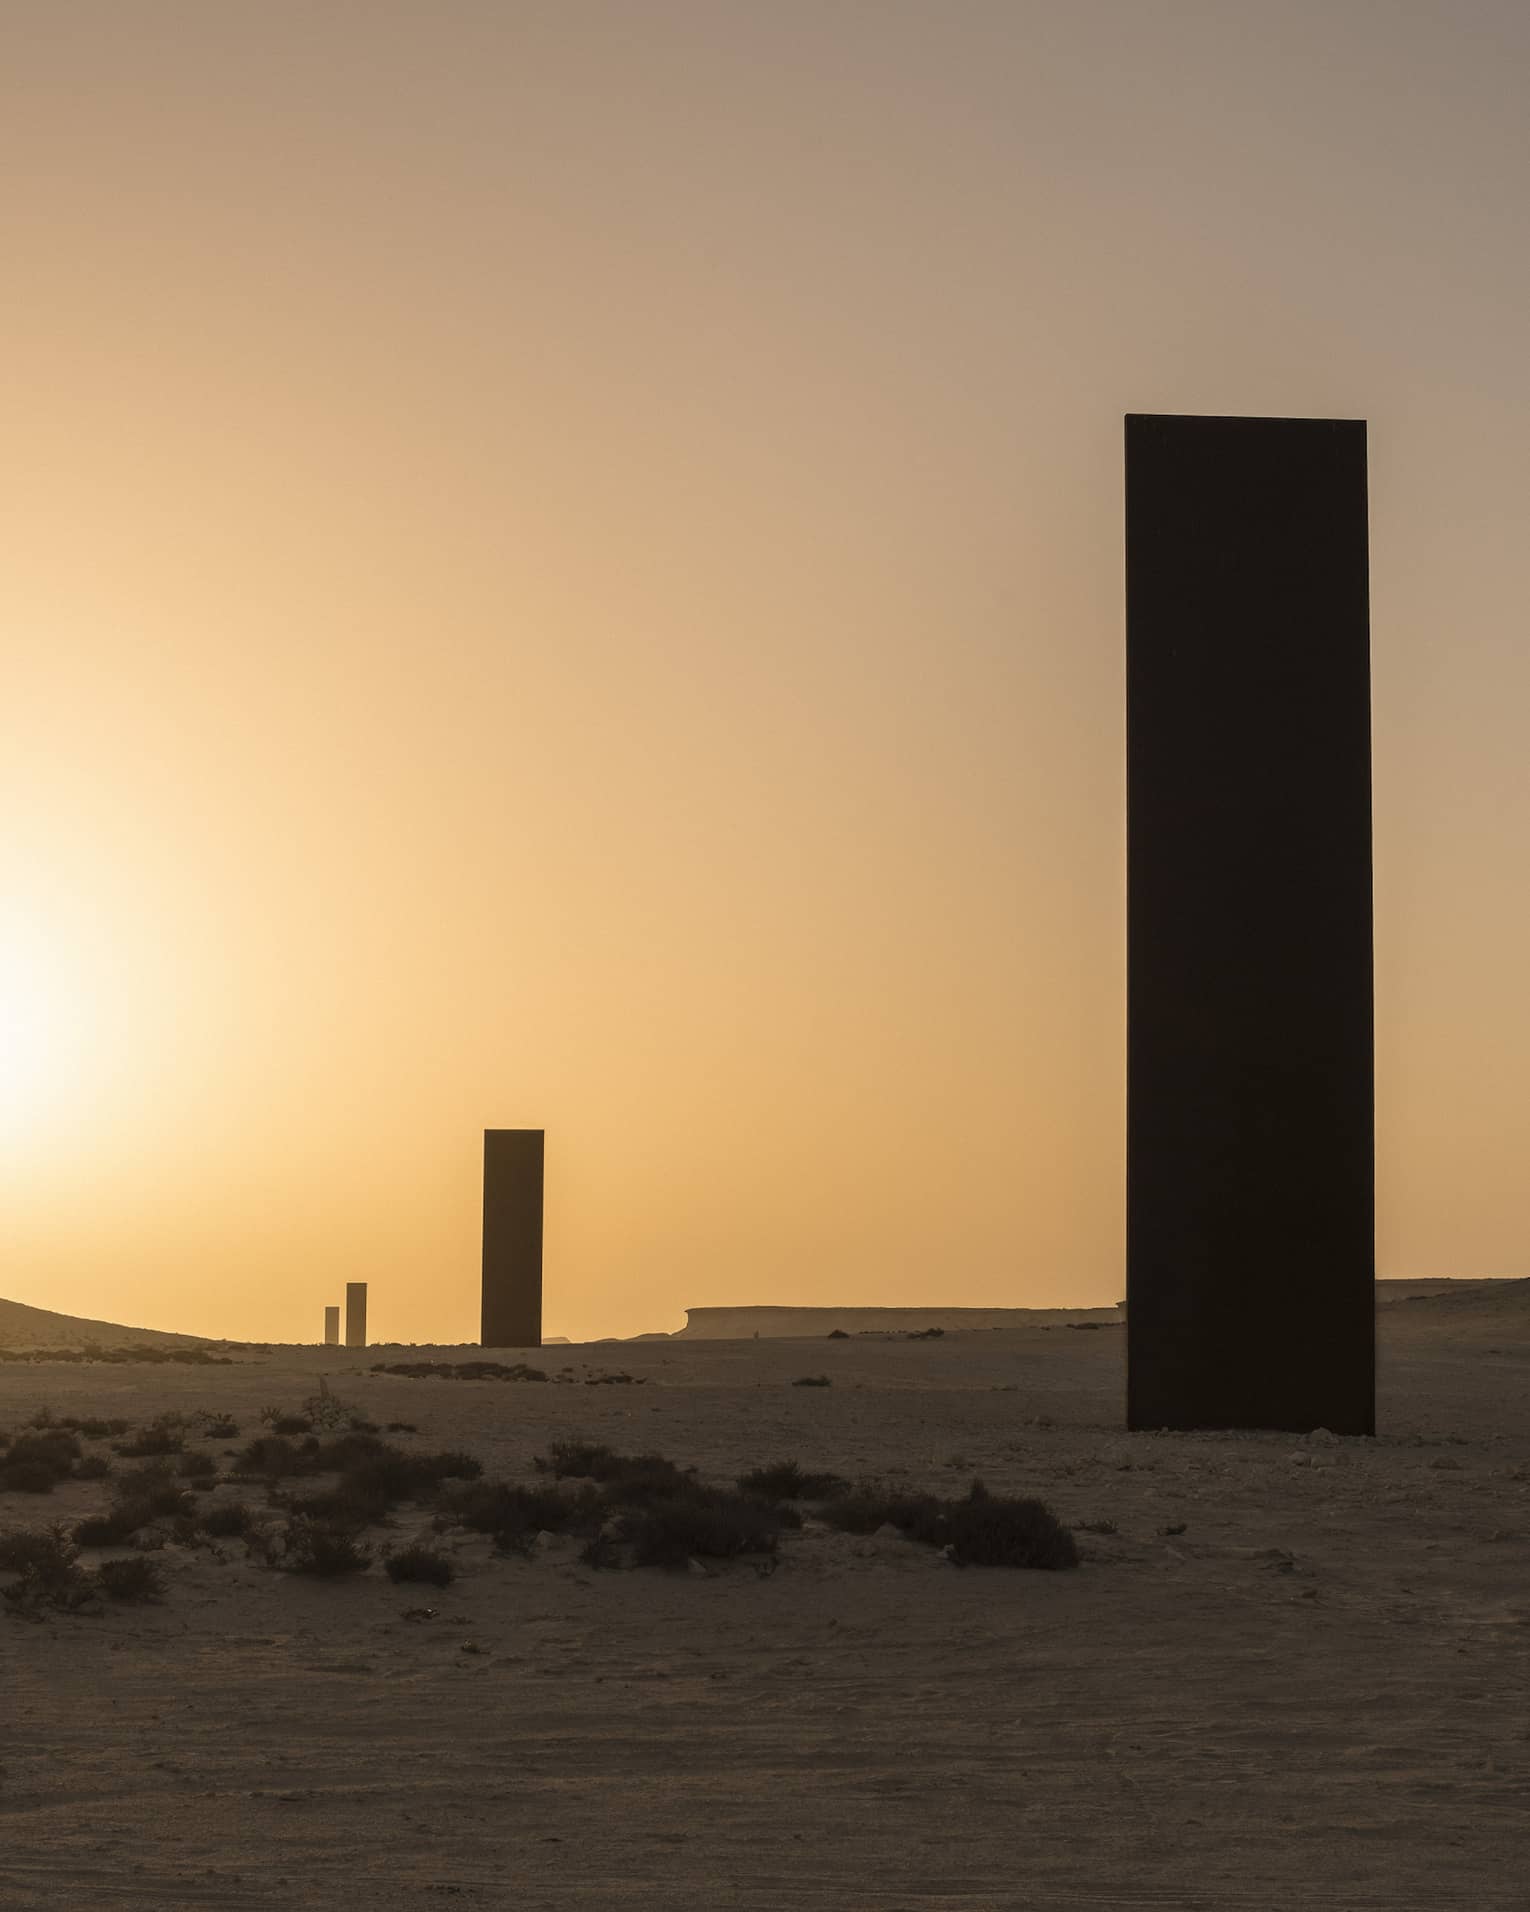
562	568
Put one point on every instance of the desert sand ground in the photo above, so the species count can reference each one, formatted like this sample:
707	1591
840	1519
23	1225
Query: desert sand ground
1316	1695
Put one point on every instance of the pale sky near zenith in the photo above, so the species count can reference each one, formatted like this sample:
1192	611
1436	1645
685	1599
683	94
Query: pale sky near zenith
562	567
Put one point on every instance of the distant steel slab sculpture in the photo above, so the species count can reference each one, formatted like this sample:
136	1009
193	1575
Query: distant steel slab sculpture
512	1238
331	1327
355	1314
1250	1101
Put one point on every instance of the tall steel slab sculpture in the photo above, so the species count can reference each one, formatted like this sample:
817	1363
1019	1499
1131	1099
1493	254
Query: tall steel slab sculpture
1250	1120
512	1238
355	1314
331	1327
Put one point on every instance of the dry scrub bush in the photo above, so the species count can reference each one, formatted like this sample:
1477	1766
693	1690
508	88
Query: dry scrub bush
323	1552
133	1582
982	1530
785	1480
35	1462
50	1575
420	1563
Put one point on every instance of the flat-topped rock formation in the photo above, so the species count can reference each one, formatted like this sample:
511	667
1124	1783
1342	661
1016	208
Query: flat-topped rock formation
778	1324
1501	1292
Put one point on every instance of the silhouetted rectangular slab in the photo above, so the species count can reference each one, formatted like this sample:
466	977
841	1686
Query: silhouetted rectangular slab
512	1238
355	1314
331	1327
1250	1126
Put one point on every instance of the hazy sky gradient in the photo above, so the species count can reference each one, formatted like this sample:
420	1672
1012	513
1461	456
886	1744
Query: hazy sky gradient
562	567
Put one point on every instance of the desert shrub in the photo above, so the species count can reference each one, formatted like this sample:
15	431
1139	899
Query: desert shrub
274	1457
135	1581
402	1427
460	1370
1098	1527
27	1477
89	1430
375	1476
106	1530
925	1334
153	1487
870	1505
217	1427
140	1496
47	1553
625	1478
998	1530
982	1530
167	1435
291	1424
587	1459
93	1467
322	1551
420	1563
37	1459
451	1464
370	1464
350	1505
341	1451
197	1467
515	1515
48	1567
325	1410
602	1550
813	1381
785	1480
702	1524
226	1519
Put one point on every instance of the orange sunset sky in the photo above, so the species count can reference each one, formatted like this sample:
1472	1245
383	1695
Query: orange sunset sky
562	567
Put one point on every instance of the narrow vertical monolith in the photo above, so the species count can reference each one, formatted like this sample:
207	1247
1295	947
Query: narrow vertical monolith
1250	1127
355	1314
512	1238
331	1327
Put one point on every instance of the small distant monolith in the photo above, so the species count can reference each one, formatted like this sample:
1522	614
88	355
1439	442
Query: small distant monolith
1250	1185
331	1327
355	1314
512	1238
